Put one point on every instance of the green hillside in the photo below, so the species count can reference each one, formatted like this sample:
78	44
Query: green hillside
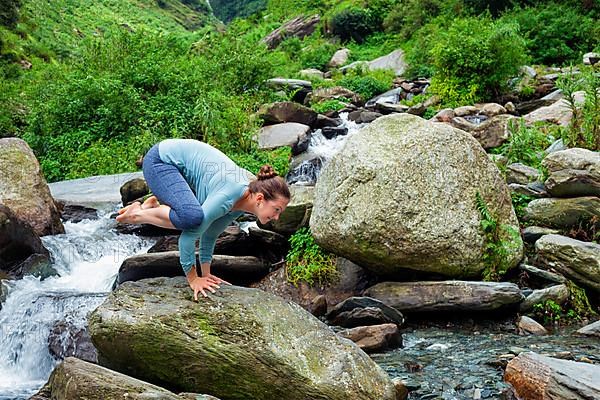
226	10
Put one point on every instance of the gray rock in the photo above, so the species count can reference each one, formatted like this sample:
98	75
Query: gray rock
78	379
394	61
558	293
374	338
360	311
299	27
562	213
529	326
445	115
533	189
592	329
542	274
397	197
286	134
287	111
392	96
331	132
521	173
558	145
339	58
288	84
553	96
559	112
492	109
324	121
336	92
363	116
414	297
461	123
237	344
311	73
494	131
528	71
93	190
75	213
67	340
532	233
465	110
573	173
577	260
23	188
591	58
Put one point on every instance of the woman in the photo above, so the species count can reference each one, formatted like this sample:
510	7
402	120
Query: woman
200	191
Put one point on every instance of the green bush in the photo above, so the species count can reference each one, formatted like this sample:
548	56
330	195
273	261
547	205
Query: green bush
9	12
556	33
306	261
367	83
526	144
328	105
354	24
474	59
410	15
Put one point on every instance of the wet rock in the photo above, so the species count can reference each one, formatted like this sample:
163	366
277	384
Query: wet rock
143	230
327	122
557	145
533	189
528	326
132	190
235	269
532	233
529	106
339	58
553	96
413	297
361	311
445	115
299	27
463	124
286	134
562	213
75	213
250	344
521	173
352	281
24	190
93	190
592	329
331	132
21	250
557	293
534	376
391	97
401	388
297	214
542	274
465	110
573	173
78	379
577	260
67	340
410	209
287	111
374	338
232	241
363	116
591	58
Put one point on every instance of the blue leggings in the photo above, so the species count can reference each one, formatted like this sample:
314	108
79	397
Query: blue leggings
170	188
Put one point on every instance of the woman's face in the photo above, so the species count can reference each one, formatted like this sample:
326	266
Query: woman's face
269	210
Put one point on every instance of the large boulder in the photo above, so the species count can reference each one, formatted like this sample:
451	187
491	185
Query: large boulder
537	377
577	260
573	172
78	379
291	134
401	194
24	190
557	293
562	213
394	61
299	27
93	190
236	344
412	297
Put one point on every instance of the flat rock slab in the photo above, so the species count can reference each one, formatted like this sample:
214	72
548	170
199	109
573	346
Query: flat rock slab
78	379
537	377
285	134
236	344
413	297
592	329
93	190
562	213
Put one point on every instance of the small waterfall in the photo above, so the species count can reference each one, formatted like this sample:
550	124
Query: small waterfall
320	150
87	258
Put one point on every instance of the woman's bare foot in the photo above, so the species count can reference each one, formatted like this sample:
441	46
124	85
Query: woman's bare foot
126	216
151	202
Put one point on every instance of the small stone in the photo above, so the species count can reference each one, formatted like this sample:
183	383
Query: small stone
528	326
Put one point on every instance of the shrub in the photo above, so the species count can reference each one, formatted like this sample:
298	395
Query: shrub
353	24
556	33
409	16
9	12
475	57
328	105
367	83
306	261
526	144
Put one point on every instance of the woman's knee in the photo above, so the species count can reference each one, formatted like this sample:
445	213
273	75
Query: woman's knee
187	218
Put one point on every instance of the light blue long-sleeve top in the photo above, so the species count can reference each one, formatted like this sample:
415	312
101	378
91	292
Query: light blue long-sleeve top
217	183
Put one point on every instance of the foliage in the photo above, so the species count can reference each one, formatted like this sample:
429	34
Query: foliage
353	24
9	12
575	310
584	129
579	303
408	16
328	105
306	261
252	160
474	58
549	312
526	144
520	202
226	10
500	242
556	33
367	83
376	45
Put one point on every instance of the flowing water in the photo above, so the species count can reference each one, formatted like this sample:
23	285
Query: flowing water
87	258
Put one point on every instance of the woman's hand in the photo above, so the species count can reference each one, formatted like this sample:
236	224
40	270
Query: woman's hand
201	284
217	280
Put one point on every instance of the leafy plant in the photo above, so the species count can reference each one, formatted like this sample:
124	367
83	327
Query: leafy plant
526	144
367	83
500	242
549	312
353	24
575	309
520	202
328	105
584	128
306	261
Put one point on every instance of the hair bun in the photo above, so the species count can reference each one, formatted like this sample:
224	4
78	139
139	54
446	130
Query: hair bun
266	172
